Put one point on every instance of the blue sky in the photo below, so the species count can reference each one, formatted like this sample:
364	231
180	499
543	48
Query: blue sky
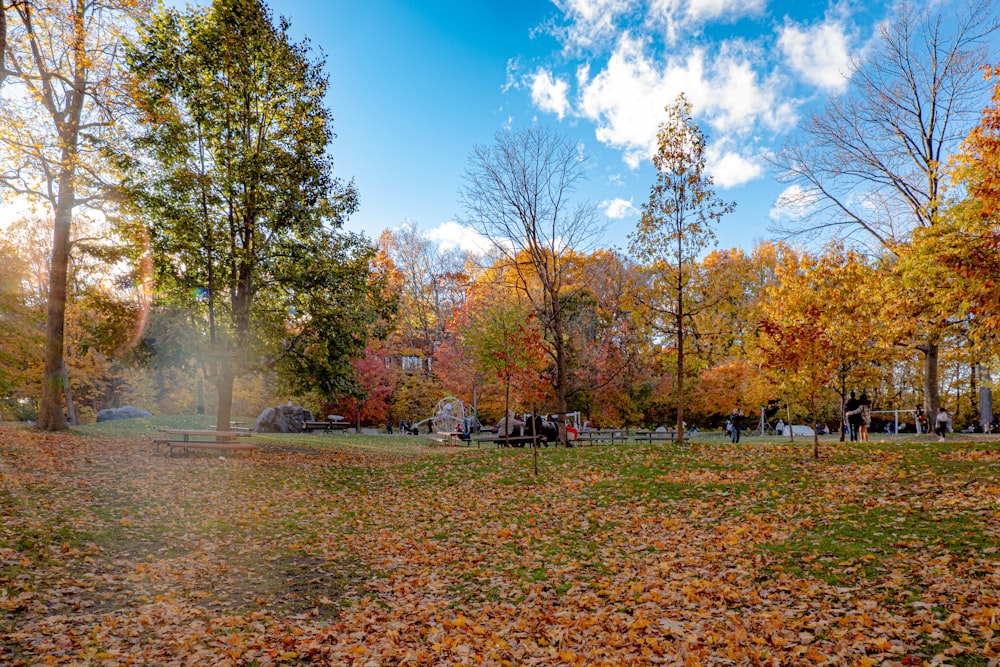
415	85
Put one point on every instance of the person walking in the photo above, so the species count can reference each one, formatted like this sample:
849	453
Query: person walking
941	423
736	423
864	416
852	410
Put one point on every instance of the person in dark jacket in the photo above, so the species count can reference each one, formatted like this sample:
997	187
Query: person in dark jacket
736	424
852	410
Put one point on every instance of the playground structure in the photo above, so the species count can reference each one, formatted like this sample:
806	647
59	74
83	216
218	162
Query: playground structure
449	416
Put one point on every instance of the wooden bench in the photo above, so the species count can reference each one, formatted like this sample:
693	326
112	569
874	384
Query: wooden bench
655	436
603	436
309	427
503	440
228	445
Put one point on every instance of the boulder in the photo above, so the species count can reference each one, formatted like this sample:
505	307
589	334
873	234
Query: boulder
282	419
797	429
124	412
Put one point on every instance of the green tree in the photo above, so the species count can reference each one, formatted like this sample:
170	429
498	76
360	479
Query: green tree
675	228
233	173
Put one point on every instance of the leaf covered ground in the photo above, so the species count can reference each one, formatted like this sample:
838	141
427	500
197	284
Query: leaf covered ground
355	552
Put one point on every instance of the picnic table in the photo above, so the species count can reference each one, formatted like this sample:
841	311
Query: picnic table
190	439
453	438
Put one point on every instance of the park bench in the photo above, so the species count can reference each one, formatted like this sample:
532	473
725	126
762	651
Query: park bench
610	436
191	439
310	426
171	445
502	440
655	436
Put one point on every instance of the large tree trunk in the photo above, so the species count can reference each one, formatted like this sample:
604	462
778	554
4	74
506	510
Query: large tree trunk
51	416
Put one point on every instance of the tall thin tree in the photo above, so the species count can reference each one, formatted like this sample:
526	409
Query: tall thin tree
675	228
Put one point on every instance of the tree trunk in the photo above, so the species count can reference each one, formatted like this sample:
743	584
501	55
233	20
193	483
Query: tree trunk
679	325
932	398
680	381
788	411
815	426
68	390
561	373
224	384
843	395
51	416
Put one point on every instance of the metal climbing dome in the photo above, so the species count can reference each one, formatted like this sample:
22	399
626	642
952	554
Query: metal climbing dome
449	416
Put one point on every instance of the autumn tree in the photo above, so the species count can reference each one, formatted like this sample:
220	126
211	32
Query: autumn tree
612	379
233	172
517	193
796	349
496	349
962	254
834	296
63	63
872	164
431	284
675	228
22	315
723	337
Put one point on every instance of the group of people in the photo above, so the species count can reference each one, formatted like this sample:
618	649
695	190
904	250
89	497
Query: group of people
406	427
942	422
532	425
858	410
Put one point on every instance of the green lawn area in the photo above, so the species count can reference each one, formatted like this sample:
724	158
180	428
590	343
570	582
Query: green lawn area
389	550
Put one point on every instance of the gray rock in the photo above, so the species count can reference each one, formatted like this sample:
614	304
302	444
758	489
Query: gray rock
282	419
124	412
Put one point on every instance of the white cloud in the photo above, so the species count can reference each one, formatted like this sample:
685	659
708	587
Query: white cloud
730	169
792	204
592	21
626	99
618	208
819	53
673	18
449	235
706	10
549	93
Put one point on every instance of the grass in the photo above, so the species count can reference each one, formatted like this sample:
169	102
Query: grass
339	528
